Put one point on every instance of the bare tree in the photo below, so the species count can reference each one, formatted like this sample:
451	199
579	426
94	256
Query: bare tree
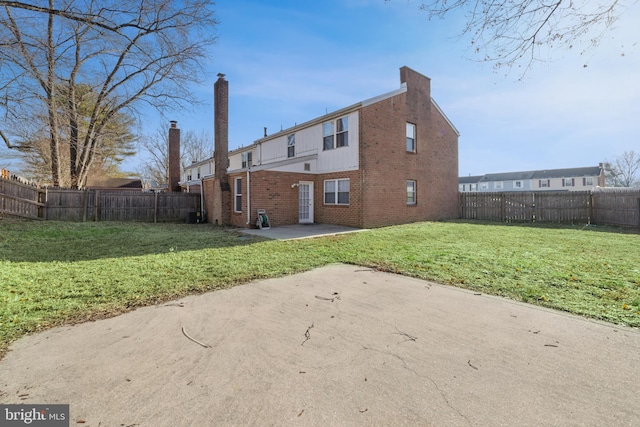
194	147
624	170
516	32
130	53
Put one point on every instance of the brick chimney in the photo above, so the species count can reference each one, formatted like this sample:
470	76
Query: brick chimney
174	157
219	203
221	124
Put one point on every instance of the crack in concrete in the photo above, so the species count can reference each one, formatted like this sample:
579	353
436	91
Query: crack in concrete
437	387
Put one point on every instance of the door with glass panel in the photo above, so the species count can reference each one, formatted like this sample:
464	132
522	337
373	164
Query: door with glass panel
305	202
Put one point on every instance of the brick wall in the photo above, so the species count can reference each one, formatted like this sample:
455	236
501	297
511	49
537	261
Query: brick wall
273	191
387	165
217	201
351	215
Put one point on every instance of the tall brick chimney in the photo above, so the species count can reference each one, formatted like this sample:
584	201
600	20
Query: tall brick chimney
174	157
220	211
221	124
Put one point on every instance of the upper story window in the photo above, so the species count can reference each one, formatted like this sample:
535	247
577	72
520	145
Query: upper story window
484	185
247	159
587	181
498	185
411	137
517	184
544	183
189	174
291	145
335	134
568	182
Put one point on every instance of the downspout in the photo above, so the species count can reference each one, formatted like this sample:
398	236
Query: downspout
203	211
248	197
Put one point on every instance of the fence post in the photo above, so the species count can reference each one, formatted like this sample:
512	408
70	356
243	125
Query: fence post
46	203
85	203
155	207
96	207
590	212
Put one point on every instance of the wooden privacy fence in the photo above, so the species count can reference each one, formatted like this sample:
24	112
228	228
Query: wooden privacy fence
614	206
113	205
21	200
602	207
26	201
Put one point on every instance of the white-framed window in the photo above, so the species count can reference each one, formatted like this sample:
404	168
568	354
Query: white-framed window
544	183
247	159
336	191
498	185
411	192
291	145
198	172
473	187
568	182
411	138
237	195
189	174
484	185
588	181
517	184
327	136
335	134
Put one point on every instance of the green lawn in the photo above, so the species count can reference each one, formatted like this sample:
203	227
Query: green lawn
53	273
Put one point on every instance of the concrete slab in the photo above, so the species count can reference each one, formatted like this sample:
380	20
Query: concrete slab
338	346
300	231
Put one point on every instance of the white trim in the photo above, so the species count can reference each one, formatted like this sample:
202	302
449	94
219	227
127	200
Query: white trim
289	161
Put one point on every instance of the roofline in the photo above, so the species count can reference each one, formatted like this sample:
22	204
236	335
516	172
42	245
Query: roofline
334	114
435	104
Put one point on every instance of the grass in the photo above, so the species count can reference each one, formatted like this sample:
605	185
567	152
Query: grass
52	273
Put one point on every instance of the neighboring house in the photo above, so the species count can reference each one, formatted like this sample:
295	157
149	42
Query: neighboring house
572	179
190	177
468	183
387	160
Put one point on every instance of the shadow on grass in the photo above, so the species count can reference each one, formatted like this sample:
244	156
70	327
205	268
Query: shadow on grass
25	241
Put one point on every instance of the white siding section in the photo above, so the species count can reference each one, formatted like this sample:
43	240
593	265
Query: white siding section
235	161
309	143
342	158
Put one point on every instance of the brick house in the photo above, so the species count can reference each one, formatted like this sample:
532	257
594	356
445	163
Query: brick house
391	159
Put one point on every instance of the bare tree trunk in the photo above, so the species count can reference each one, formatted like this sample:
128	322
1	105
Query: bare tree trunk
51	92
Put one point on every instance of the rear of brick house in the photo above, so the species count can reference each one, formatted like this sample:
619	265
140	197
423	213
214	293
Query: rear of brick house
392	159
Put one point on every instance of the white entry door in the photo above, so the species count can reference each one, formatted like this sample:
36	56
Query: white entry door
305	202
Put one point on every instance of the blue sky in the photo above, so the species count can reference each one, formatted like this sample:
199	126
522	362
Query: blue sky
291	61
